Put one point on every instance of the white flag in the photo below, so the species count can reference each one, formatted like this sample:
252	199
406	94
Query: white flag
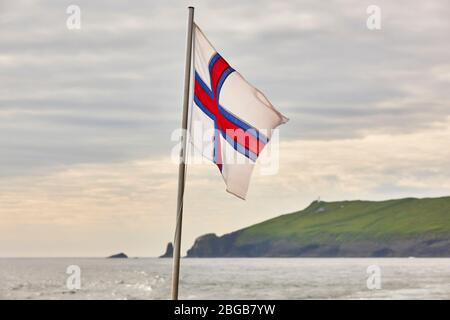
237	119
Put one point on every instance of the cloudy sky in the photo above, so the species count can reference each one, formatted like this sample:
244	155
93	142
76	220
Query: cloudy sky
86	115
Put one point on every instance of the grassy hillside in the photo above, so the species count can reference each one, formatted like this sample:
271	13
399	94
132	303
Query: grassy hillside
345	221
404	227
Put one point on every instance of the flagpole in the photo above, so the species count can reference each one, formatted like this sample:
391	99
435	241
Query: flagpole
182	165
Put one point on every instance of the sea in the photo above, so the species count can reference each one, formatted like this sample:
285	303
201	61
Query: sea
227	278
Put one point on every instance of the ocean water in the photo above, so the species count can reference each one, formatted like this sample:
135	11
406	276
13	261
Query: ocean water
257	278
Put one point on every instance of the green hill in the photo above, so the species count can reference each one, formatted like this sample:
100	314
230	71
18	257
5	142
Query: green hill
404	227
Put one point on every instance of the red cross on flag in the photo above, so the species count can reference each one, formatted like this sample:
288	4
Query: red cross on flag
236	118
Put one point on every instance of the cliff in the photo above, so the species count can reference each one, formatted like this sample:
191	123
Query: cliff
392	228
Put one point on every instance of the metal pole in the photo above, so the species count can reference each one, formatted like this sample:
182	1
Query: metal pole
182	165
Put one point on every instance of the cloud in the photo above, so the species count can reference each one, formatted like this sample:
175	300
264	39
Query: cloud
122	72
361	167
86	116
138	197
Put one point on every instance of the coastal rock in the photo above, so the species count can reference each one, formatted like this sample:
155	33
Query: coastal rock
118	256
169	251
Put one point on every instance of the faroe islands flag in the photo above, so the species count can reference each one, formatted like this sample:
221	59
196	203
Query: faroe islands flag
235	118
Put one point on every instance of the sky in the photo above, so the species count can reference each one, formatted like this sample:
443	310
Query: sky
86	116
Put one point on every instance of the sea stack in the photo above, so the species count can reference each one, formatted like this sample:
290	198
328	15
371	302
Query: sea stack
169	251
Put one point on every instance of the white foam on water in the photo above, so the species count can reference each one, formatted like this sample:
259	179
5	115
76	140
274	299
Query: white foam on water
258	278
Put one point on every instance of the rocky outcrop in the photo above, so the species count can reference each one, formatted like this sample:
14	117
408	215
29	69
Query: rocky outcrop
118	256
210	245
213	246
169	251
